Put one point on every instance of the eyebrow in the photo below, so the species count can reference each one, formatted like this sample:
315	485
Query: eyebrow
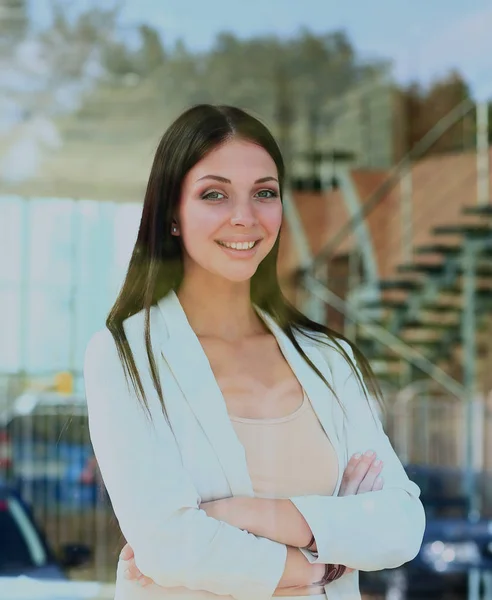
225	180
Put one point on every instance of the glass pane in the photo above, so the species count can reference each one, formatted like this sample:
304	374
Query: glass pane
126	223
49	329
10	240
51	238
10	337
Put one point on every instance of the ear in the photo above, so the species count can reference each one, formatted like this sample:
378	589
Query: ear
174	228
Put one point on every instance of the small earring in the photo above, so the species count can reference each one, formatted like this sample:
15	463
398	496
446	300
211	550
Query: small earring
174	229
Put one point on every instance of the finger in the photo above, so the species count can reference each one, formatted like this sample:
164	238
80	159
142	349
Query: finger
359	472
144	581
378	484
127	552
132	571
349	469
352	463
370	478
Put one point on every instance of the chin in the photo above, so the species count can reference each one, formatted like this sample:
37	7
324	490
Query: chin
238	275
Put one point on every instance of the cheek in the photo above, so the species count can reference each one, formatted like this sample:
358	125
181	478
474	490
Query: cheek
198	223
271	218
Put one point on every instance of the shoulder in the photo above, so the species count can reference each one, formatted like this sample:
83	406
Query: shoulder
101	345
333	350
101	359
102	350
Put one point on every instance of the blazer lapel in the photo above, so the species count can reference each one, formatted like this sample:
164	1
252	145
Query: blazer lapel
322	399
182	351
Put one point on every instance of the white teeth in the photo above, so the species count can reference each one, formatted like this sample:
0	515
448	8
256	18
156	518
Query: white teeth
238	245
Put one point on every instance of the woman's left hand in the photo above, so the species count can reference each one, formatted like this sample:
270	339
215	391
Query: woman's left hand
131	571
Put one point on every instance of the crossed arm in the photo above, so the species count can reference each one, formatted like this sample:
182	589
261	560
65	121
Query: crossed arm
277	519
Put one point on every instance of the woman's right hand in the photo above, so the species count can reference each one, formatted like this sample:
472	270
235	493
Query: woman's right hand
362	474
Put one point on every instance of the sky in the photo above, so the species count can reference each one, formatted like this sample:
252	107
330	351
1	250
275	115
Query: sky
424	38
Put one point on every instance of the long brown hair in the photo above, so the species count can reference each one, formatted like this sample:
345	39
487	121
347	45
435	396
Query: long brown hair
156	265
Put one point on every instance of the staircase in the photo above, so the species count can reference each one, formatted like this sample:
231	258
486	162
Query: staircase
423	316
424	304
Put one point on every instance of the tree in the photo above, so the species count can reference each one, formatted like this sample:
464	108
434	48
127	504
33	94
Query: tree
114	88
151	55
424	108
14	21
44	76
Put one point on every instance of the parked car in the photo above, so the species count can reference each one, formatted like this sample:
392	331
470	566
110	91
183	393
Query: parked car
24	550
452	543
46	450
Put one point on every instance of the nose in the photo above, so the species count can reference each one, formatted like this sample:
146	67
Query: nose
243	215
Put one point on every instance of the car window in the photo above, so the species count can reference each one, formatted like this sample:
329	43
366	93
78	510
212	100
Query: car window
56	428
20	544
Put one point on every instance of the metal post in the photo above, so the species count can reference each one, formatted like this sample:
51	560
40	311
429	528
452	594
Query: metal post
468	325
350	329
406	212
483	161
24	237
72	302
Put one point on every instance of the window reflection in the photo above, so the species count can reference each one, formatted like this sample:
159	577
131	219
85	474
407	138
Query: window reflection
61	264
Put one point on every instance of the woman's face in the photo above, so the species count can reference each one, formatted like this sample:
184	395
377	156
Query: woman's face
230	211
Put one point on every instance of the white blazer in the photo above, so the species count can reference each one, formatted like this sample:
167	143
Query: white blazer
156	480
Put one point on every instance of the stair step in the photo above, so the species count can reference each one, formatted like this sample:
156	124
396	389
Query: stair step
483	210
424	345
385	304
484	270
428	325
444	305
456	288
399	284
478	230
431	269
448	249
364	337
442	308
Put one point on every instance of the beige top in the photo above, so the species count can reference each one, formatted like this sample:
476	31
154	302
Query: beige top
279	455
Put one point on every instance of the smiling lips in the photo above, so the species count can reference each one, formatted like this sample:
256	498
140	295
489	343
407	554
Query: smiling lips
239	245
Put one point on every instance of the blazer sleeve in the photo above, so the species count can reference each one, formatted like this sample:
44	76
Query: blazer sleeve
157	506
371	531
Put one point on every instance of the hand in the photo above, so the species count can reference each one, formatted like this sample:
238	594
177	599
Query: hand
131	570
361	475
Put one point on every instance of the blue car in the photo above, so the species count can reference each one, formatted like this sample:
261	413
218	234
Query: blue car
452	544
24	549
50	457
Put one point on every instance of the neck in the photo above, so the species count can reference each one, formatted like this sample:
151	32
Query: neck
222	309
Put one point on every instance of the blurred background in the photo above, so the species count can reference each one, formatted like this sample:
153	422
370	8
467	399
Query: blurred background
384	113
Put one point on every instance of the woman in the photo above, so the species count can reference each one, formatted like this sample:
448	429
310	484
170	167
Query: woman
222	419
